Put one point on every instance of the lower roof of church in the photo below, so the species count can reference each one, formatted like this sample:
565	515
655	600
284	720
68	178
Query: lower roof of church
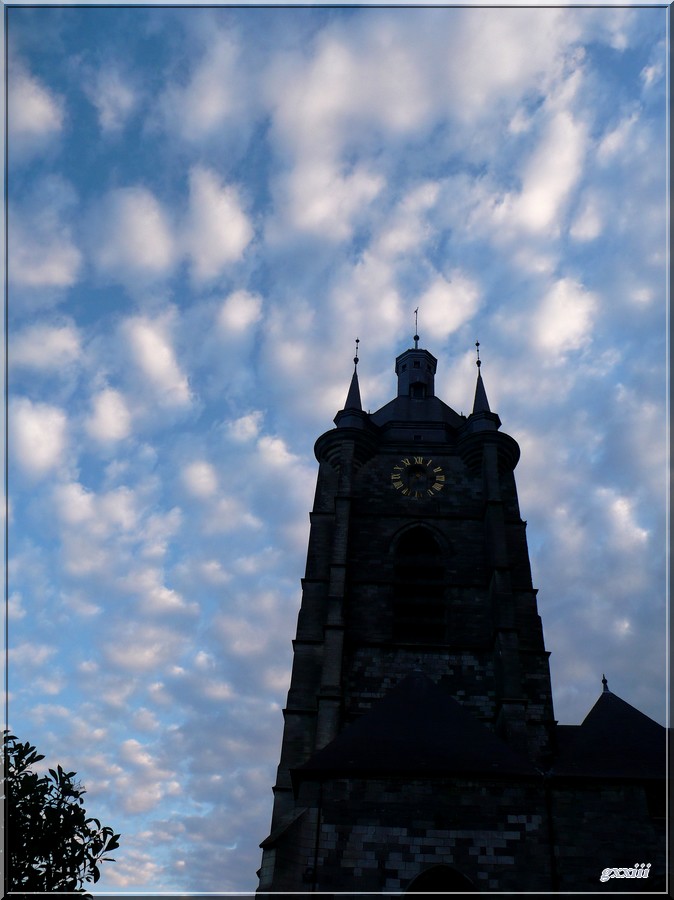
419	729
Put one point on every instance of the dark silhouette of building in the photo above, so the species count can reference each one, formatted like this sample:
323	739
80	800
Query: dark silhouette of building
420	750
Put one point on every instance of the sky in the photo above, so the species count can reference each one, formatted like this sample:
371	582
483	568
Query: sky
206	206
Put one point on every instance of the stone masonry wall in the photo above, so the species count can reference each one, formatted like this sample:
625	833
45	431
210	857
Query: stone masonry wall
378	835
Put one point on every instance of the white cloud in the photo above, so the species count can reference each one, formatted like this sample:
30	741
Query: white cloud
45	347
588	223
134	868
113	98
74	504
212	572
15	609
325	202
243	638
30	655
118	509
550	174
245	428
447	303
200	479
214	93
133	752
229	514
145	720
100	532
406	229
352	78
81	605
239	312
140	647
155	597
133	237
525	50
39	435
617	139
157	532
367	300
625	533
41	252
217	231
274	453
101	514
650	75
110	419
152	352
35	114
565	318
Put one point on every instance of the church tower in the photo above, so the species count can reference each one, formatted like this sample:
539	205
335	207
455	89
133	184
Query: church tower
419	716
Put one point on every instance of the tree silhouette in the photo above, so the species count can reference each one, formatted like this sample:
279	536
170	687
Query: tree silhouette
51	844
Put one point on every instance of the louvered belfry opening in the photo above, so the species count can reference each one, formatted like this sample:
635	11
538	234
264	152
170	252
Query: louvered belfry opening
419	603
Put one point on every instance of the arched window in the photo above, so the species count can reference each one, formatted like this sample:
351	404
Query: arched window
419	605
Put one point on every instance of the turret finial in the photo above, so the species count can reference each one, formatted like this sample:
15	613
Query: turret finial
479	361
416	328
355	359
605	684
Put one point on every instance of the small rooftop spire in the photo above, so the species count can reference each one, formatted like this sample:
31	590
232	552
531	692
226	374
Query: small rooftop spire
604	682
416	328
353	397
480	404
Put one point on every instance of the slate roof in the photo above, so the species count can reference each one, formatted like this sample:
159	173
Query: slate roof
353	397
480	404
615	740
416	729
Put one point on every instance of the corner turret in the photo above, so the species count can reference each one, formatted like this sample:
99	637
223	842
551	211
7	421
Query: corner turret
482	427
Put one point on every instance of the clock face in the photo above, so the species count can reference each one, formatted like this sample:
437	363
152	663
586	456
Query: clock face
417	477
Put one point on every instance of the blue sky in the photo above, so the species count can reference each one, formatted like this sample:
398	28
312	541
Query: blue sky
206	208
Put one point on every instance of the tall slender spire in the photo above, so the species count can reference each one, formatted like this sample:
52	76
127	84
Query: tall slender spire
353	397
480	404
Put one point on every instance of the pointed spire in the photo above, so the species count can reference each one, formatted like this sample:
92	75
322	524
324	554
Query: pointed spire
480	404
604	682
353	397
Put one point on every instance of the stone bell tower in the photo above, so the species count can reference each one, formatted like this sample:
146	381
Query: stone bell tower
417	597
420	751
